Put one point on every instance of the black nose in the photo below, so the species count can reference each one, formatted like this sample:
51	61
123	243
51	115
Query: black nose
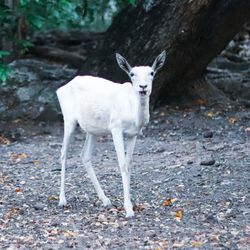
143	86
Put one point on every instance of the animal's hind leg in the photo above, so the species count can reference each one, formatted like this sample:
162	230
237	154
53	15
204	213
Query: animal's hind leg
68	131
86	159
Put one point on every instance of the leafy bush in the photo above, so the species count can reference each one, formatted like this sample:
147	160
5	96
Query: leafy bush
4	70
19	21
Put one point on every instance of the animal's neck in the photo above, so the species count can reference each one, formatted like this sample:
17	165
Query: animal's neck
143	111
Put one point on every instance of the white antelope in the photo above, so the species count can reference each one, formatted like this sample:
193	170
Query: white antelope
100	107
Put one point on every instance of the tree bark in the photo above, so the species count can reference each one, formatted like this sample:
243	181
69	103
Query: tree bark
192	32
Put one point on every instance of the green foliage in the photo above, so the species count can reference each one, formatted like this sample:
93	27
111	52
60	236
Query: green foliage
133	2
4	70
19	21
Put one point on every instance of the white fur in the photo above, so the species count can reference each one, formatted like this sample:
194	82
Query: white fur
100	107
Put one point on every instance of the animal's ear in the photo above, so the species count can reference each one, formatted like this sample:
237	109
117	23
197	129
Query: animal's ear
122	62
159	61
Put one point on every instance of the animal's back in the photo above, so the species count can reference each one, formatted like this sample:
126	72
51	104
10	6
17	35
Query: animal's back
91	100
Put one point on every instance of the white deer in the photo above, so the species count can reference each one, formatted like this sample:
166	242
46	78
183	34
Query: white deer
100	107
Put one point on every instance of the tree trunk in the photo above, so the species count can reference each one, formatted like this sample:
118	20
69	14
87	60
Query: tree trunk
192	32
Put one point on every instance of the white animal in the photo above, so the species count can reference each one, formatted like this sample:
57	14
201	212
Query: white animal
100	107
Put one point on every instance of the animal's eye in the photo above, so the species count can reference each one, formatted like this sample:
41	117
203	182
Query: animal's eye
132	74
152	73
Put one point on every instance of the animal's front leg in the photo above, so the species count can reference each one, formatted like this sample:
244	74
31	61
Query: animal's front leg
129	153
119	147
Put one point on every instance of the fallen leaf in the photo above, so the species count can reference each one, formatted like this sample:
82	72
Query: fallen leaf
168	202
4	140
179	215
36	162
69	233
232	120
178	244
196	243
53	198
17	120
19	190
200	101
119	209
10	213
139	208
18	157
210	114
214	237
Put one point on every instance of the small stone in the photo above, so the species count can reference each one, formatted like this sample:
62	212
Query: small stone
190	162
211	218
160	150
208	134
39	206
208	162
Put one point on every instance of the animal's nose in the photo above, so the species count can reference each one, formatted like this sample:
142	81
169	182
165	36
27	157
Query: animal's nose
143	86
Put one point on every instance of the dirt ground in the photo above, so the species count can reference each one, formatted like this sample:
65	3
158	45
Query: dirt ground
190	186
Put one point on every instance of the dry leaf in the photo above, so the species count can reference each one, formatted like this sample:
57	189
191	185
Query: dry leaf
17	120
168	202
10	213
201	102
179	215
139	208
178	244
232	120
196	243
119	209
4	140
36	162
210	114
69	233
19	190
215	237
18	157
53	198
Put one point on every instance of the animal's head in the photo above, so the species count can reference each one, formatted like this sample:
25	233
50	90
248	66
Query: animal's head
142	76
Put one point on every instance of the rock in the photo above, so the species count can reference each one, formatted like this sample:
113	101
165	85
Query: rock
230	71
26	93
39	206
31	90
160	150
208	134
211	218
208	162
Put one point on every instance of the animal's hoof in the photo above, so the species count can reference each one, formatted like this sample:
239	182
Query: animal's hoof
106	202
130	214
62	202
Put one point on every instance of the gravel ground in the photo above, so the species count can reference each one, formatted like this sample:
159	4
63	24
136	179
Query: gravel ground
190	186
